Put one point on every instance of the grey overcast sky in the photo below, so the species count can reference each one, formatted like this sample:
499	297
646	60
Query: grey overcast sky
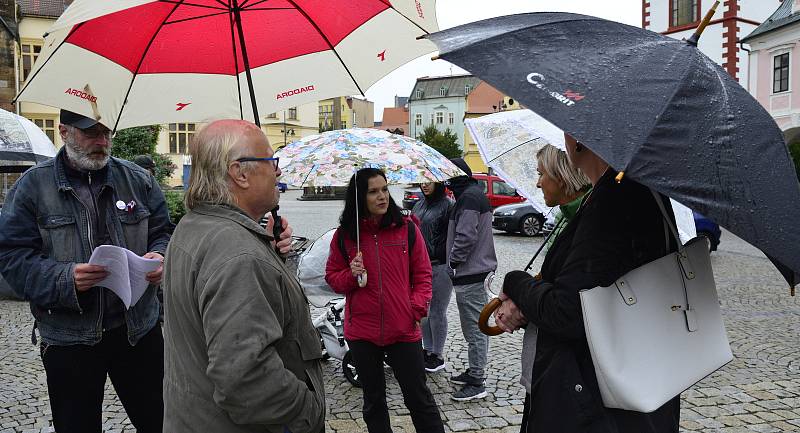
451	13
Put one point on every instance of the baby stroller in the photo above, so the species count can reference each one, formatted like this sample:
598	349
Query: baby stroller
330	322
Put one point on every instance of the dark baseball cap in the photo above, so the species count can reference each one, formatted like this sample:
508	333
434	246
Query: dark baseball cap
77	120
144	161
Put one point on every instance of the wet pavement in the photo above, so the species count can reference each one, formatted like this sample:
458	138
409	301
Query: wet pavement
758	392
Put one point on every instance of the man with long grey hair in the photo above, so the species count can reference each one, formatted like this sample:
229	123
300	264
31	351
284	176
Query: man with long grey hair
241	354
54	217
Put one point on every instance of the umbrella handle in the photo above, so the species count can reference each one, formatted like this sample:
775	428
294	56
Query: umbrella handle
362	279
483	320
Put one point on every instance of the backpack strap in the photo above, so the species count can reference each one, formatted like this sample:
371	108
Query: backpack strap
342	249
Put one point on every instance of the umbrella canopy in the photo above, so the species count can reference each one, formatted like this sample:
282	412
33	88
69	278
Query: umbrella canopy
138	62
22	143
651	106
331	158
509	141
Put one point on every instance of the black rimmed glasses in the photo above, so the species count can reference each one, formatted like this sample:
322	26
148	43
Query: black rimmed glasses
96	131
274	160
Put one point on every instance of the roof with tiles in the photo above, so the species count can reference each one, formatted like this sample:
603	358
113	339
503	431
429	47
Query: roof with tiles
43	8
431	87
782	17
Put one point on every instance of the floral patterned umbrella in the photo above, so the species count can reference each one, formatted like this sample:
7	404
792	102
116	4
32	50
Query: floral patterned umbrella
331	158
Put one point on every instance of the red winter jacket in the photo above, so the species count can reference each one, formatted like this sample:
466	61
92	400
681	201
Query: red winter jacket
386	310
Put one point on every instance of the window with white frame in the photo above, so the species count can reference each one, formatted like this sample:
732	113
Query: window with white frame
451	118
46	124
29	52
432	118
439	117
467	89
443	91
419	94
780	73
292	115
180	135
418	119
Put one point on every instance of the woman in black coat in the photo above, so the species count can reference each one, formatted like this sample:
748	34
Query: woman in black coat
433	212
618	228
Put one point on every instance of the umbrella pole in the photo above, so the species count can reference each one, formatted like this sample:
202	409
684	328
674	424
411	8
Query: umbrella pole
362	278
238	18
707	19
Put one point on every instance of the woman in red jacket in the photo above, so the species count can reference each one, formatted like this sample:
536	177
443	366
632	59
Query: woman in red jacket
382	318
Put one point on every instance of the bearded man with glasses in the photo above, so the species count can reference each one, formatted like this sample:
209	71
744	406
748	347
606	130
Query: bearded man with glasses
54	217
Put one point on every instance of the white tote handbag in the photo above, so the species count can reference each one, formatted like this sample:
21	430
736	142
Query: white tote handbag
658	330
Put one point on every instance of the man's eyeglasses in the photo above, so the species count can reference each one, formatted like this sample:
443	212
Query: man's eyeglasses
274	160
96	132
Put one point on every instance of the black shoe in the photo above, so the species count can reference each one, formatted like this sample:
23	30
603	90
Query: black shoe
469	392
433	363
466	378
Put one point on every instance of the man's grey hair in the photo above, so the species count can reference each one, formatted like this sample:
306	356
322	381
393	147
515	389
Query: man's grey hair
212	151
554	163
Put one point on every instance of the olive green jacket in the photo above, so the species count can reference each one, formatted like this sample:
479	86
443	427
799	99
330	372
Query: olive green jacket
240	352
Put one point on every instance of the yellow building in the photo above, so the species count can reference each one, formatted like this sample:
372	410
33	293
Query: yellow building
483	100
281	128
345	112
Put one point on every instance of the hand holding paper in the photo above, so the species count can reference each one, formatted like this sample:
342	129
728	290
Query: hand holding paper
127	272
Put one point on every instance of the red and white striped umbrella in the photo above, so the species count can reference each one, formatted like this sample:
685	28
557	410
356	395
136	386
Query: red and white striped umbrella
143	62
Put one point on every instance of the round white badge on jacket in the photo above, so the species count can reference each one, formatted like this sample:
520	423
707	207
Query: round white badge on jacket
120	205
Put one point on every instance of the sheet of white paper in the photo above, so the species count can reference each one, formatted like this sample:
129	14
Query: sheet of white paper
126	272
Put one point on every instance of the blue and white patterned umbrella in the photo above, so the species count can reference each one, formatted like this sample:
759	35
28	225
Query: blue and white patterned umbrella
331	158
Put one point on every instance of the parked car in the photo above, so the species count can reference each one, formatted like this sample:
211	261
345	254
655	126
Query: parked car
710	229
497	190
411	197
518	217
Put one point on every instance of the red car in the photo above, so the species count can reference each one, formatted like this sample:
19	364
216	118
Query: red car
497	191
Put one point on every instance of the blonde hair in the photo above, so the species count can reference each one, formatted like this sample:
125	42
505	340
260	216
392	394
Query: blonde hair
212	151
554	162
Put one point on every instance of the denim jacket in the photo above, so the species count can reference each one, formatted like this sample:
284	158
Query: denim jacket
44	233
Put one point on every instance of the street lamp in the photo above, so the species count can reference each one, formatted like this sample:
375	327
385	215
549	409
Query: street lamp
285	131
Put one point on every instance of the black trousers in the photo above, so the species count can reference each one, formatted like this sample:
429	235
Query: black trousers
76	379
409	369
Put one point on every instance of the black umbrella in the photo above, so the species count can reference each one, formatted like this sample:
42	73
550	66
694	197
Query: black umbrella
651	106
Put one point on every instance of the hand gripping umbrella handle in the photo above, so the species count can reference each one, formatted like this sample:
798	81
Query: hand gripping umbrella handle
362	279
483	320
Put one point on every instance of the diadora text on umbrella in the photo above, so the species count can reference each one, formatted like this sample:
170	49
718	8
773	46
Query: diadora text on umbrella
309	88
81	94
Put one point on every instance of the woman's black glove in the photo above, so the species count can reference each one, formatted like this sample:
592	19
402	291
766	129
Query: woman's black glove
516	282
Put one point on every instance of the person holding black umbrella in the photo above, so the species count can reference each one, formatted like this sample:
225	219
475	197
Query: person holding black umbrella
618	228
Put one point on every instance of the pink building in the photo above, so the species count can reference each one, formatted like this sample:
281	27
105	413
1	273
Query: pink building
733	20
774	64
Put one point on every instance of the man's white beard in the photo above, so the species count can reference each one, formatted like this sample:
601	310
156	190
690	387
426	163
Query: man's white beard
83	160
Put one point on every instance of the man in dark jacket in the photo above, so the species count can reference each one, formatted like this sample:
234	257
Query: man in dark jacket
55	216
471	258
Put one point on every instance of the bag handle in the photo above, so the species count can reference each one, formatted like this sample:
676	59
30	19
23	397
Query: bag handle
684	265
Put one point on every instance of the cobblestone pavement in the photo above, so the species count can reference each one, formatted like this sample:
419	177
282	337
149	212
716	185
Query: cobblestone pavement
758	392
